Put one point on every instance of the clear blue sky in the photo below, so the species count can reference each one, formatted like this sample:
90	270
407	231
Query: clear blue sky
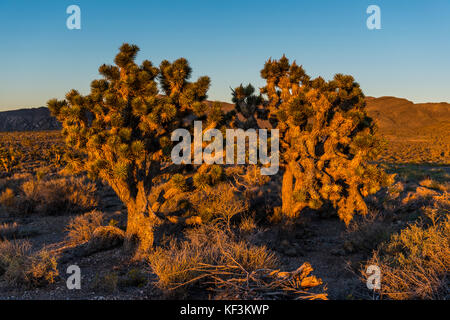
228	41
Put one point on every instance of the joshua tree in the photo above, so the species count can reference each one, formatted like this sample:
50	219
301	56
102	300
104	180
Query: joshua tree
246	103
327	140
120	132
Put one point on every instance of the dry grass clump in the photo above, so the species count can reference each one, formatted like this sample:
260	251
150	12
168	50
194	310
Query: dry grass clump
134	278
60	196
429	183
81	228
106	283
248	224
8	230
214	258
415	263
13	254
19	266
105	238
367	232
43	269
8	198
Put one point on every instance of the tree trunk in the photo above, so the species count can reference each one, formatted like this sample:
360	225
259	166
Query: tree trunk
287	193
141	223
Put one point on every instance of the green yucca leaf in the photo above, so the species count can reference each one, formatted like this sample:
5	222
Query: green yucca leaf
137	148
121	171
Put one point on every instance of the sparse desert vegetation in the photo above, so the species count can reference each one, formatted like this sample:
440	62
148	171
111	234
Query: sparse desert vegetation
103	195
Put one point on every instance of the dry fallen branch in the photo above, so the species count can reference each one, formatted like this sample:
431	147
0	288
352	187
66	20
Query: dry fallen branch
259	284
212	258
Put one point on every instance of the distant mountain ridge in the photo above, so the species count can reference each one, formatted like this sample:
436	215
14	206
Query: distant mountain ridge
394	116
400	117
33	119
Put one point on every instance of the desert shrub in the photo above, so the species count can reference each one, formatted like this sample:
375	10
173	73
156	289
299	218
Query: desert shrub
8	198
415	262
9	158
429	183
81	228
19	266
105	237
134	278
433	184
43	269
247	224
13	254
8	230
277	215
60	196
221	203
367	232
55	155
106	283
200	180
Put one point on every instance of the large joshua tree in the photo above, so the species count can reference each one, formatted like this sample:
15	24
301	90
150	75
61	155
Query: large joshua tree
120	132
327	140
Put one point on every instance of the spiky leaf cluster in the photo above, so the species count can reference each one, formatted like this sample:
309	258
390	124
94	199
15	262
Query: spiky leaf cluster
246	103
327	140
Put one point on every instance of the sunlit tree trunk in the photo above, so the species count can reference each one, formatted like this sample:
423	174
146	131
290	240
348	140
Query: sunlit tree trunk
287	193
141	221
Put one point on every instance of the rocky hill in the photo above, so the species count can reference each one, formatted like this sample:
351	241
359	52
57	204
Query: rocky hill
415	133
35	119
401	117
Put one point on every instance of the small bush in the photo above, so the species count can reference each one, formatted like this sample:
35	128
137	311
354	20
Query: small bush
365	233
248	224
415	263
20	267
43	269
218	204
8	198
106	283
8	230
60	196
134	278
201	181
105	237
81	229
276	216
429	183
13	254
